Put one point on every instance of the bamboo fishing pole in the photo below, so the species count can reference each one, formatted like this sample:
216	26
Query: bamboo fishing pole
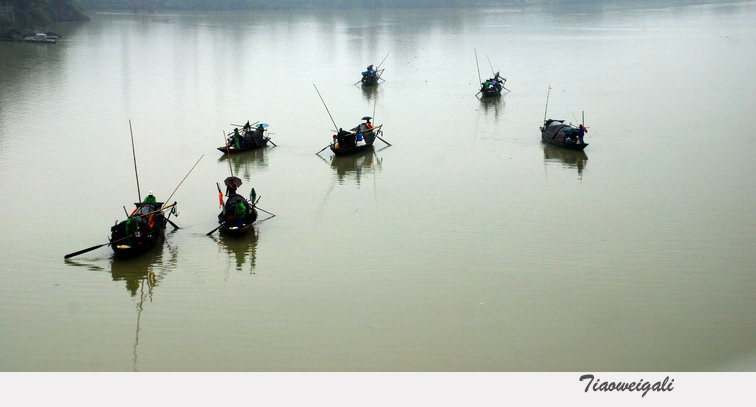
326	107
491	65
182	181
476	65
133	152
547	104
384	59
228	153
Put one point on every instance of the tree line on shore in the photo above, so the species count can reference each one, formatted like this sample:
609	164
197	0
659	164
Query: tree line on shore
285	4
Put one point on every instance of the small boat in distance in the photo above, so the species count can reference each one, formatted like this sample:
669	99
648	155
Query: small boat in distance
41	37
371	76
493	86
250	137
556	133
360	138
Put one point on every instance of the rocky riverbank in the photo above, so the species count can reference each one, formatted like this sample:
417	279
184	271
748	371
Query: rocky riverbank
18	18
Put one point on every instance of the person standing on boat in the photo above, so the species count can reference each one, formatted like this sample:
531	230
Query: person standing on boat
581	132
237	138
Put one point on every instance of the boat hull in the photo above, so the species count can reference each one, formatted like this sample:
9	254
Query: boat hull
562	144
234	150
229	229
137	246
350	150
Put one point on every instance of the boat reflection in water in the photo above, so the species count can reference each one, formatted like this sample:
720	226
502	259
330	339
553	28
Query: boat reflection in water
150	268
353	166
141	275
493	104
568	158
244	162
369	92
243	249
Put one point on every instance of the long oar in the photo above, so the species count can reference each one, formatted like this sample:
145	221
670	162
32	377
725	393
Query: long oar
379	138
182	181
322	149
269	213
211	232
378	130
68	256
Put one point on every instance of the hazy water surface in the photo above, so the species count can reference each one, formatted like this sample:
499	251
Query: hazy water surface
465	246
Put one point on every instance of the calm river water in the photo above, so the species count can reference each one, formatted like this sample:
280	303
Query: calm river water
467	245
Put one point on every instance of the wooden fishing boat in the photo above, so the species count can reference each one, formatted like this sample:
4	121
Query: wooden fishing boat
371	76
556	133
238	214
144	229
492	87
253	138
359	139
236	220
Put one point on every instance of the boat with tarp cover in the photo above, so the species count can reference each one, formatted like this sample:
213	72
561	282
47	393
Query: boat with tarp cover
568	136
556	133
